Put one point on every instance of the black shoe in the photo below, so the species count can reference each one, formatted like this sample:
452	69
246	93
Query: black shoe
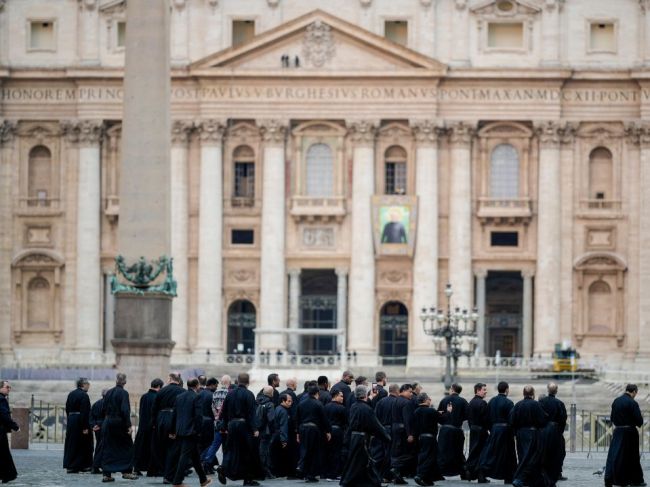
72	470
562	478
311	480
167	481
420	481
397	477
221	476
642	484
251	482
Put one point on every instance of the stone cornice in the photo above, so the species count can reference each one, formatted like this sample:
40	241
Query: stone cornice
181	130
273	131
83	132
426	132
363	132
461	133
7	131
210	131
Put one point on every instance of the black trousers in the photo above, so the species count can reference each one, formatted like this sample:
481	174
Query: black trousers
189	446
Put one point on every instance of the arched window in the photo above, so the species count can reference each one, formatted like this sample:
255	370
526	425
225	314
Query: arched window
244	169
600	174
393	329
38	304
320	171
39	176
241	323
601	307
504	172
395	170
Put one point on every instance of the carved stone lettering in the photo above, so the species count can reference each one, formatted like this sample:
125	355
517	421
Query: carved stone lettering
318	237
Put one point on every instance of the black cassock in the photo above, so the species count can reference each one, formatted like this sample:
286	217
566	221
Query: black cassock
78	447
7	425
241	460
144	439
359	469
97	419
344	388
165	451
425	431
553	436
402	453
282	463
451	439
528	419
117	455
477	418
498	458
207	420
379	449
337	416
623	465
312	427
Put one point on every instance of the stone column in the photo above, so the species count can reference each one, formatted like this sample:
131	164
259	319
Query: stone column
362	335
88	32
481	332
425	260
644	244
460	214
341	305
88	267
294	309
180	229
547	277
7	185
210	279
273	302
527	322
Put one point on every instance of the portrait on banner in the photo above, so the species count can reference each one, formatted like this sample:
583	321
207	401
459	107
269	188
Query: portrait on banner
394	224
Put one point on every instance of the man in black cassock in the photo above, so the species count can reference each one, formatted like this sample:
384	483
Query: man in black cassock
324	395
313	427
344	385
117	455
478	420
241	459
425	430
265	415
498	459
623	465
96	420
144	438
283	442
451	439
187	422
402	450
165	453
528	419
337	416
359	381
293	452
206	395
379	449
7	425
359	470
381	380
553	433
78	447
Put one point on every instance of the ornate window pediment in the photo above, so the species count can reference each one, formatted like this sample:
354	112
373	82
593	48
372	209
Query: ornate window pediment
506	8
594	261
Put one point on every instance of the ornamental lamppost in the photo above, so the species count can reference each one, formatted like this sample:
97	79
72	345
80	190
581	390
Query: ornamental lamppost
457	328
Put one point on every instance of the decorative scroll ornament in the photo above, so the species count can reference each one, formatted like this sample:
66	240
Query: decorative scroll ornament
426	131
142	275
273	131
363	131
318	44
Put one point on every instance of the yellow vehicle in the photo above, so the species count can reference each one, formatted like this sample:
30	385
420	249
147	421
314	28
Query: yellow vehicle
565	360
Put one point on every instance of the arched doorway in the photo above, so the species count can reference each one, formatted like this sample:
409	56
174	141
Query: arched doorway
242	318
393	333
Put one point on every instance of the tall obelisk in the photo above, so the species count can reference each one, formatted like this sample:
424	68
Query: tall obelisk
143	314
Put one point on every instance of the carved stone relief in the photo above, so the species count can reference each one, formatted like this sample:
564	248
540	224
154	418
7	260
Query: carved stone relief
318	44
318	238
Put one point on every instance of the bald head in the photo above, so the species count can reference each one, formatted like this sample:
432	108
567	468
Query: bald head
551	388
292	383
226	380
267	391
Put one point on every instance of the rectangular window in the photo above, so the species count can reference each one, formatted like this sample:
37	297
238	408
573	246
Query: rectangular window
121	34
602	37
244	180
396	31
41	35
504	239
505	35
242	237
395	178
242	31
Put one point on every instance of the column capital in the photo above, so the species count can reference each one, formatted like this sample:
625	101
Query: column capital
426	131
7	131
461	133
273	131
549	133
362	132
210	131
568	133
181	130
638	134
294	272
481	273
87	4
341	272
86	133
528	273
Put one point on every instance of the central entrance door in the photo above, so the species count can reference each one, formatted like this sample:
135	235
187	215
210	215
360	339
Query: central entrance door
394	333
318	309
503	313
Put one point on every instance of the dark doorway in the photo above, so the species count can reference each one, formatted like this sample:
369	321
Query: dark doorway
393	333
504	293
241	323
318	309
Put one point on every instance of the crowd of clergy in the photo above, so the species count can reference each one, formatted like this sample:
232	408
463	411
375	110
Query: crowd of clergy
352	432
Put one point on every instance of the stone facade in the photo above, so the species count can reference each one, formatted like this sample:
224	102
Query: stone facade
509	135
